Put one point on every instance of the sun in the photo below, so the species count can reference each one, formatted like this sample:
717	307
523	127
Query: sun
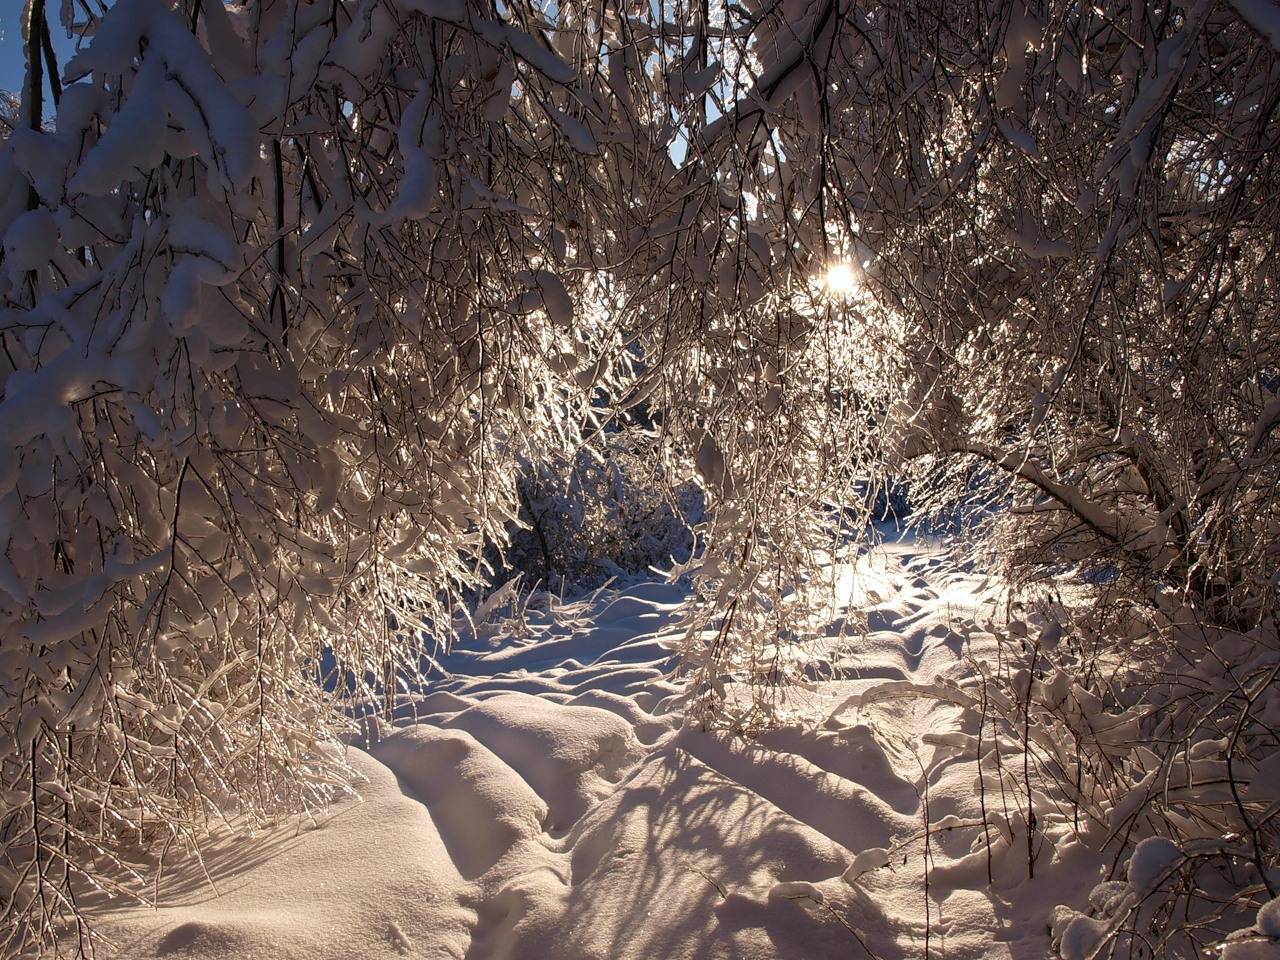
840	279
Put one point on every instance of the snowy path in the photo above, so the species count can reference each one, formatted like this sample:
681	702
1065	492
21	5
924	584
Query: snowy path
548	805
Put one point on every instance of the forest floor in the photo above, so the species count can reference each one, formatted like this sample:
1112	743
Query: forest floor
547	802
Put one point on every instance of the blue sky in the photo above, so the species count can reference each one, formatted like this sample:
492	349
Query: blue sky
11	59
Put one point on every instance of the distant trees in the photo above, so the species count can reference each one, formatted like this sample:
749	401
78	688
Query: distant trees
291	290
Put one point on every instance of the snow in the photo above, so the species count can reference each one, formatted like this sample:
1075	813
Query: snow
1080	935
366	877
1269	919
1249	950
176	81
575	130
543	798
134	142
29	242
1151	861
547	292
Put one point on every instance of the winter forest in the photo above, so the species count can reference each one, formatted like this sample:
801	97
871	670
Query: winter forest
572	480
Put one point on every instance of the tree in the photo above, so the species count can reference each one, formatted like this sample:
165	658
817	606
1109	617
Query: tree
276	326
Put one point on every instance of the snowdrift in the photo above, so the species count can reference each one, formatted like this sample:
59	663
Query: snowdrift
544	800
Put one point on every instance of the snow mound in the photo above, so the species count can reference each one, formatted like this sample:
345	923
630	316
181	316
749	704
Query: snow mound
571	755
1152	858
367	878
480	806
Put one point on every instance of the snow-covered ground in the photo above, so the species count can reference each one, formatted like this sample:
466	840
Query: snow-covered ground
548	803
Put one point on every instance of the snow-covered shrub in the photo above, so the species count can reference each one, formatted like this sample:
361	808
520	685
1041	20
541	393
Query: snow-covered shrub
604	513
1149	740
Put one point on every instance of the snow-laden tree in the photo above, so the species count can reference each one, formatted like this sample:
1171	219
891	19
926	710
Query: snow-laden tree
278	315
291	290
1066	217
